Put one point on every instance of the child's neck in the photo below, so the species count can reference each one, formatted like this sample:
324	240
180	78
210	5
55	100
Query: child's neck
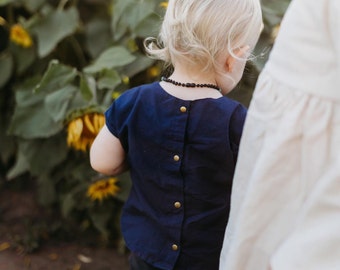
191	93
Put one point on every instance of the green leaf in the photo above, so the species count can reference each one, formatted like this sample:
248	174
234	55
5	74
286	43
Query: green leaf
149	26
31	118
98	36
21	166
109	79
100	218
54	28
70	201
87	87
33	5
5	2
118	24
138	11
116	56
6	64
34	122
24	58
35	156
7	143
128	14
38	153
141	63
24	95
276	7
56	77
57	102
273	11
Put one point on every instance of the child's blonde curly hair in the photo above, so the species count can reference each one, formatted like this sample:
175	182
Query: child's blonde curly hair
196	32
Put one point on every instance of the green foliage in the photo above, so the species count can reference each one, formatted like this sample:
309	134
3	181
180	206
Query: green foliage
273	11
82	55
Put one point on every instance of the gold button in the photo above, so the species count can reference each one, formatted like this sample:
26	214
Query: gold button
183	109
176	158
174	247
177	204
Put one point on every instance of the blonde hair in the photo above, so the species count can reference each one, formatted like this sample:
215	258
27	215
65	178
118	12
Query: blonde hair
198	31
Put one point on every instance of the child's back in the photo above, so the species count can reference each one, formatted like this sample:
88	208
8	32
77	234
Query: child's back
179	137
182	156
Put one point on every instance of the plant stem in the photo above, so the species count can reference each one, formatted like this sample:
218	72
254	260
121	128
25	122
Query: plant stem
62	4
78	50
10	15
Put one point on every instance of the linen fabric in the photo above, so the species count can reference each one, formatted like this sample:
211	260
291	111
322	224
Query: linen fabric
182	155
285	200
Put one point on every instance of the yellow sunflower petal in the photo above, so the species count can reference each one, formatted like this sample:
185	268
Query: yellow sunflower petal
99	121
103	189
2	21
89	124
20	36
164	4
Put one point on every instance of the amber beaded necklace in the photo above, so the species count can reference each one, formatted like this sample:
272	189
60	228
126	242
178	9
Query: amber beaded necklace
191	85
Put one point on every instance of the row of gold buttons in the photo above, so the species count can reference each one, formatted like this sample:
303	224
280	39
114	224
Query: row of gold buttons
183	109
177	205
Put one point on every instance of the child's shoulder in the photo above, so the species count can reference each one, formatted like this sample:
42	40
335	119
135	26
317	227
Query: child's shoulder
231	105
231	109
137	93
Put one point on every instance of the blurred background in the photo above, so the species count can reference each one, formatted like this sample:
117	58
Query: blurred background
62	62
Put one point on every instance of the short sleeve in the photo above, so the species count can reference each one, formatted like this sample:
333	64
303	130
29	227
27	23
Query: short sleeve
118	116
110	119
236	124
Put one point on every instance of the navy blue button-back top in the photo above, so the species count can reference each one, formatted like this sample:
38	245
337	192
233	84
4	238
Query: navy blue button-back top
182	156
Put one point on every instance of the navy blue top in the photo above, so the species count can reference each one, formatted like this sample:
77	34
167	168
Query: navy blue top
182	156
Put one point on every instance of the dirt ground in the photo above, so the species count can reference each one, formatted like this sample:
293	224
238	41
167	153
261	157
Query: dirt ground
63	257
50	255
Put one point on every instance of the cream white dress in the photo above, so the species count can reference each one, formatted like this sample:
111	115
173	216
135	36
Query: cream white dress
285	206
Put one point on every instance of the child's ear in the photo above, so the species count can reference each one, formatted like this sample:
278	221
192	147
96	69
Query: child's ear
238	54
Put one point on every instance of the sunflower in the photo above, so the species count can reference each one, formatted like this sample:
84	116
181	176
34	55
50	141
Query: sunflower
125	79
275	32
164	4
20	36
153	72
2	21
103	189
82	131
116	95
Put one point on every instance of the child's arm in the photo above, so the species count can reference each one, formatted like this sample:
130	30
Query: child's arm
107	155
